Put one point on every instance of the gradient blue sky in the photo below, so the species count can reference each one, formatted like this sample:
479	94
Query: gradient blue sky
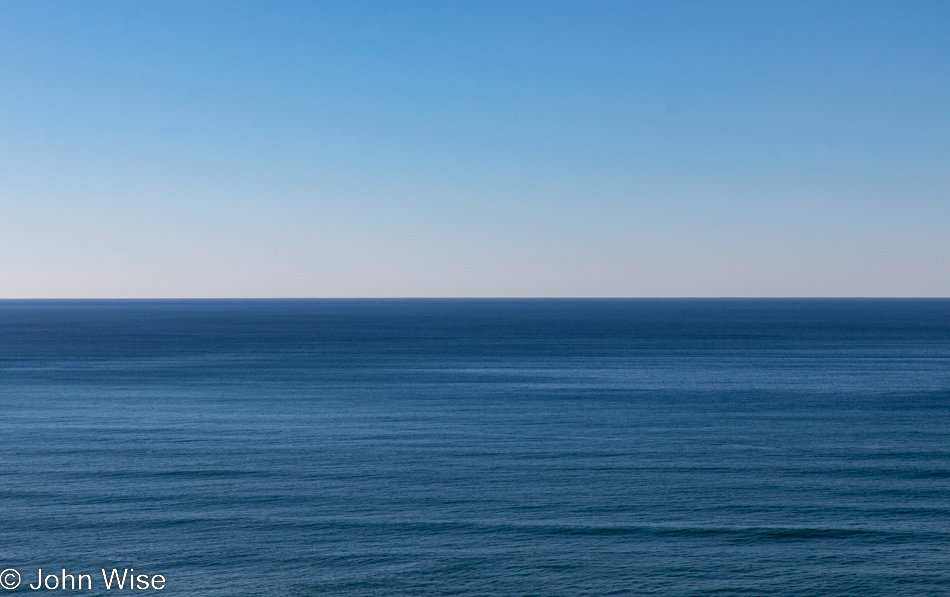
306	149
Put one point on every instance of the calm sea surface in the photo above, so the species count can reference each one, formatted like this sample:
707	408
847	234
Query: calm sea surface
480	447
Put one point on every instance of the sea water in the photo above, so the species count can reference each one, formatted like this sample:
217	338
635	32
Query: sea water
478	447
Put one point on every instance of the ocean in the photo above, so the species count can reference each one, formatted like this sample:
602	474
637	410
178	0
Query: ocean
477	447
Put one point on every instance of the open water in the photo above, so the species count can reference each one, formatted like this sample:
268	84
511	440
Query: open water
479	447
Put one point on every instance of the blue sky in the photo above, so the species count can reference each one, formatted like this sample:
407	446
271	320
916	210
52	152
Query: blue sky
306	149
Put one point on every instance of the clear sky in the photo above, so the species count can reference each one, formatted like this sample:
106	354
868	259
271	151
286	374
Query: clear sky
364	149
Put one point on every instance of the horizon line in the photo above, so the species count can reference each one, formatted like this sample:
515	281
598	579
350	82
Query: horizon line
466	298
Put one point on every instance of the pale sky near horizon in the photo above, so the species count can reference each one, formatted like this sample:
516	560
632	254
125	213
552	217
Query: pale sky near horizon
373	149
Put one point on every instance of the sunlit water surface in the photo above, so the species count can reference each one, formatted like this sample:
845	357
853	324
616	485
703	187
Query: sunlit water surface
643	447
